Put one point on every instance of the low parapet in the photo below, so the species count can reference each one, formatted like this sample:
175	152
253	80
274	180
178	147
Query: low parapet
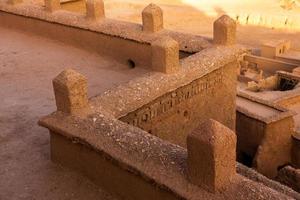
133	164
162	104
93	31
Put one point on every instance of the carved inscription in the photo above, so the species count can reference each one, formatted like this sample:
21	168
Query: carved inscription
170	100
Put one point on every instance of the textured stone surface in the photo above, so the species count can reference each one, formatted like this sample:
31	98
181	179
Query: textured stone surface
159	163
13	2
165	55
290	176
211	156
70	89
95	9
225	31
52	5
152	18
188	42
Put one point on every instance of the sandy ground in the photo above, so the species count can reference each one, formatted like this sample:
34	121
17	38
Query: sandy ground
29	63
26	171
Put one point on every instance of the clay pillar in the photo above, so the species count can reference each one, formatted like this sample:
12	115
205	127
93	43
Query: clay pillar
165	55
52	5
225	31
70	89
211	156
296	150
95	9
152	18
14	2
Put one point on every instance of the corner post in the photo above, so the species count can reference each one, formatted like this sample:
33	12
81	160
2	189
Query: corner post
165	55
152	18
70	89
225	31
212	156
95	9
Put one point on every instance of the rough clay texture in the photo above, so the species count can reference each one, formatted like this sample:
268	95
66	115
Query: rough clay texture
26	171
111	27
14	2
95	9
225	31
152	17
175	113
162	164
31	141
290	177
165	55
212	156
275	148
70	89
257	177
266	138
52	5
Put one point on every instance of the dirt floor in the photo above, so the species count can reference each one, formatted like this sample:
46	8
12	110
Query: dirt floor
27	67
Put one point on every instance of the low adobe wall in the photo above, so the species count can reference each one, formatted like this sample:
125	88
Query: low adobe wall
270	66
122	41
176	113
264	134
133	164
171	106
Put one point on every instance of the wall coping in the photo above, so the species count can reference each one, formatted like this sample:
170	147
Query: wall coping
284	113
130	31
129	97
155	160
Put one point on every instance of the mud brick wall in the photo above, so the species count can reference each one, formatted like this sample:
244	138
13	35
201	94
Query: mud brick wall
175	114
104	36
264	142
132	164
102	44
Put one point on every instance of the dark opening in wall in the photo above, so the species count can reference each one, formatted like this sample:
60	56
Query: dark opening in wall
245	159
287	84
131	63
183	54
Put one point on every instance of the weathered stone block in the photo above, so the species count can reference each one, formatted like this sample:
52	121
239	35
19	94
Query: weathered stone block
52	5
152	18
70	89
212	156
225	31
95	9
165	55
